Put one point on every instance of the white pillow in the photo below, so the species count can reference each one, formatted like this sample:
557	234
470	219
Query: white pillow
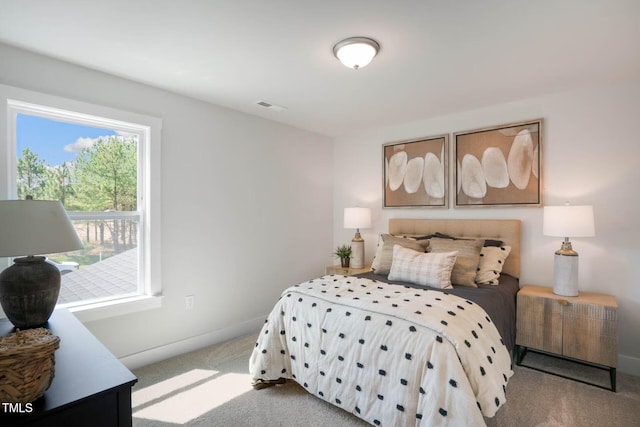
491	263
426	269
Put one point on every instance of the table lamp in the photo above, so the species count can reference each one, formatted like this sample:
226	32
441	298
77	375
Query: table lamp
29	289
567	221
357	218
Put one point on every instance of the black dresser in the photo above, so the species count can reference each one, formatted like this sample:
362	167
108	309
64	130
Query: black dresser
90	388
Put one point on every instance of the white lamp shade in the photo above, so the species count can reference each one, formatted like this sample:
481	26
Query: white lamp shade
357	217
356	52
35	227
568	221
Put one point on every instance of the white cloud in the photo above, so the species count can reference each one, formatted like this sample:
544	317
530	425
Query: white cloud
80	144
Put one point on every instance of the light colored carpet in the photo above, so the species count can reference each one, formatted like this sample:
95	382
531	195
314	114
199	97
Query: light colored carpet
211	387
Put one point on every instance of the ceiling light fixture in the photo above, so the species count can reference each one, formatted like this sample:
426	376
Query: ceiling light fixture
356	52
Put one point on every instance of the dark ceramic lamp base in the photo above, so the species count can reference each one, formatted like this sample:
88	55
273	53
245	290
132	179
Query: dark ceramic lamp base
29	291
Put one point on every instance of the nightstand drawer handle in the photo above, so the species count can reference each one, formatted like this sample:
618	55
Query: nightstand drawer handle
563	302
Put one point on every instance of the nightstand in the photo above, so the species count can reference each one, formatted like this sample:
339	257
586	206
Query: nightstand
347	271
582	329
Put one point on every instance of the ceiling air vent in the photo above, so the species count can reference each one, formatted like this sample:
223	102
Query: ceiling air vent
270	106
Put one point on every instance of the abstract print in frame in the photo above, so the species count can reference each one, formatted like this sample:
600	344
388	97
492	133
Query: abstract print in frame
415	173
499	166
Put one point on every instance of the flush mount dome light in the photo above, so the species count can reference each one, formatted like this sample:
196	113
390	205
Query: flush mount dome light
356	52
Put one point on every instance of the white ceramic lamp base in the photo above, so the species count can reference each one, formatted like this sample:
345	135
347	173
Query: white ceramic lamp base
357	253
565	275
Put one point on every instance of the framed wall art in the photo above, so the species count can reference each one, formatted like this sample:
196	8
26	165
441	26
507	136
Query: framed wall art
499	166
415	173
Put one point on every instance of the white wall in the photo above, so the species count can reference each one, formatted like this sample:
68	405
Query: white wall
591	156
247	203
246	207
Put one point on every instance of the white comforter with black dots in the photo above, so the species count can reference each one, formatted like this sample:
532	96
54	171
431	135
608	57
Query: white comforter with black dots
391	355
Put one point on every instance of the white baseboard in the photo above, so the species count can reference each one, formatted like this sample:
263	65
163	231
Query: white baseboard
629	365
152	355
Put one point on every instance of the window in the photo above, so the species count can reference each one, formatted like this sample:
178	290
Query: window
99	168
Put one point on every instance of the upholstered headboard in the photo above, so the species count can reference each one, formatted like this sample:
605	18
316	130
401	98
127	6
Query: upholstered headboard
507	230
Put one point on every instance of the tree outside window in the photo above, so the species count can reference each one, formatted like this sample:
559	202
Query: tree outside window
98	185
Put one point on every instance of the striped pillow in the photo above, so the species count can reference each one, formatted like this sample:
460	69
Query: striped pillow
426	269
464	272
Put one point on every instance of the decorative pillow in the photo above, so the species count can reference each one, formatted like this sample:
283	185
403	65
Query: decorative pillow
384	252
426	269
464	271
491	263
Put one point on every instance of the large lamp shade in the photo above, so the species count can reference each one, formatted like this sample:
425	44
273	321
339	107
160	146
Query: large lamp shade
357	218
29	289
568	221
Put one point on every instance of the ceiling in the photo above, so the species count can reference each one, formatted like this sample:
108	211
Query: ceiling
437	57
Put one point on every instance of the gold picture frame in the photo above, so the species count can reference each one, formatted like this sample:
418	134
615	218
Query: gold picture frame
499	166
415	173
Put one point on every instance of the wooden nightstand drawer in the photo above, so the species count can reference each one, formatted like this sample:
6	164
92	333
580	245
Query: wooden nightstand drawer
590	333
539	323
582	328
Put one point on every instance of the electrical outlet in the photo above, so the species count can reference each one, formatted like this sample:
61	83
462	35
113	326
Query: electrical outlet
189	302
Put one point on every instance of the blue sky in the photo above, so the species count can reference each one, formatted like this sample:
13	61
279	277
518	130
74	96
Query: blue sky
53	141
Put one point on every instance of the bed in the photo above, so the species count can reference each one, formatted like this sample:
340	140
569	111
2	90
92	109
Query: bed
395	352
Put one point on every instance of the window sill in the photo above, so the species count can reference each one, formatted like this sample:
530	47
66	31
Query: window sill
105	309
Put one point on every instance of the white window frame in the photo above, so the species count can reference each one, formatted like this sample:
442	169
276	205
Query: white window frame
149	131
